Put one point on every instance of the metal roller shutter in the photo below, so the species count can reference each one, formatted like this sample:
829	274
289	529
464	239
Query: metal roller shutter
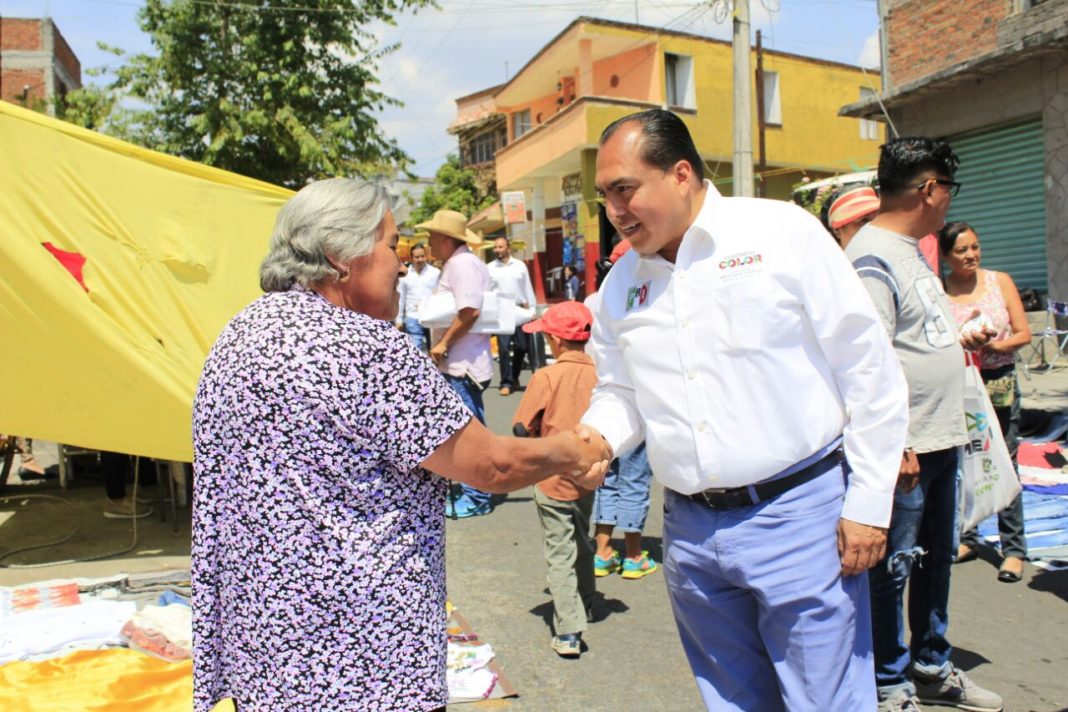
1003	197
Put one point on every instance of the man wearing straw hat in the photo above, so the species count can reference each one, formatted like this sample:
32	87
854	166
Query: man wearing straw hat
464	358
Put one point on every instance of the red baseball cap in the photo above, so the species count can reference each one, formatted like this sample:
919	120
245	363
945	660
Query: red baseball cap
566	320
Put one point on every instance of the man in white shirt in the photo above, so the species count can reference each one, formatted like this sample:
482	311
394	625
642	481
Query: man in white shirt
418	284
736	340
510	278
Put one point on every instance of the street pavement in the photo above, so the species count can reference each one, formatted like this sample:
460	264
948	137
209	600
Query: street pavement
1012	638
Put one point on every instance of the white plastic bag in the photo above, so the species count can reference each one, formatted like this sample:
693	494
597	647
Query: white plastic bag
498	315
988	479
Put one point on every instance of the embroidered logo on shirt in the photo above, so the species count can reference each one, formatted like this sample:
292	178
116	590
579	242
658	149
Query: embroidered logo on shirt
637	296
741	265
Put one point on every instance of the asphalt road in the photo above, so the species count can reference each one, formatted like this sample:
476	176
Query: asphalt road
1012	638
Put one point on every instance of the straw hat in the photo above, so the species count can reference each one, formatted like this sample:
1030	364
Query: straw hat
451	223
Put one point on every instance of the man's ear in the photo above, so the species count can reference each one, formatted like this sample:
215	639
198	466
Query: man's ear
684	173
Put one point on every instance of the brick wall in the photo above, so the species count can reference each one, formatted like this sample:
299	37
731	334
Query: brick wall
15	80
926	36
65	56
20	34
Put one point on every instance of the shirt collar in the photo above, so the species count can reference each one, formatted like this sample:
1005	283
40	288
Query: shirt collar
575	357
701	228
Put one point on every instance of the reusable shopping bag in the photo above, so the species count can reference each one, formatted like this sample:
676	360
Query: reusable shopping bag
988	479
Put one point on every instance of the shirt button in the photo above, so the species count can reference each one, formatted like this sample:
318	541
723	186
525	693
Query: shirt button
691	375
685	323
701	426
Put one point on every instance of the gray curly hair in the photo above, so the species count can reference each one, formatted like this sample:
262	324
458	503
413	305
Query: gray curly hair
337	217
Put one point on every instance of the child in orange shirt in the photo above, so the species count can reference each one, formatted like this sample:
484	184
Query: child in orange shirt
554	401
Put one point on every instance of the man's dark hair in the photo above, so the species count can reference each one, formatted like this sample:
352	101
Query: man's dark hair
947	236
417	246
667	140
903	160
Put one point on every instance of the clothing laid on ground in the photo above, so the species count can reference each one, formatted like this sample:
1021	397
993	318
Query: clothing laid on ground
465	277
759	326
999	373
917	316
318	562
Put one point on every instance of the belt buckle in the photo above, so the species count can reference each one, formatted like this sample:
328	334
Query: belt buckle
705	495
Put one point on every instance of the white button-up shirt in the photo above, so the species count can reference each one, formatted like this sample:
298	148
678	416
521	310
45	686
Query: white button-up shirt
757	348
414	287
512	280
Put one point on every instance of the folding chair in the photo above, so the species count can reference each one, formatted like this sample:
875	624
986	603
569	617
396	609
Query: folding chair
1050	333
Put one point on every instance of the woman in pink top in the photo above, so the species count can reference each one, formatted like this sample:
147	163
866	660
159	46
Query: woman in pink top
982	297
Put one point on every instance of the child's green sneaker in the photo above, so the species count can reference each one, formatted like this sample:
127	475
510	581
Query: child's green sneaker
603	567
636	568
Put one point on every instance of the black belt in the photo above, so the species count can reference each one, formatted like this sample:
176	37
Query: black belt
737	497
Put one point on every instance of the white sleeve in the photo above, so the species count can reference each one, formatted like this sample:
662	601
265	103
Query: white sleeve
528	288
852	335
402	289
613	408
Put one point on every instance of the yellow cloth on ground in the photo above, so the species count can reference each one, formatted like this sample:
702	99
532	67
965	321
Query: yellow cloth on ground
172	252
115	679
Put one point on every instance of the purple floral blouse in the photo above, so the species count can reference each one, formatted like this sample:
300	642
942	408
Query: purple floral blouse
318	540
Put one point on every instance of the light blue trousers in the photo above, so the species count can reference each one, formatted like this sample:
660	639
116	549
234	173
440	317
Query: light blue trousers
766	619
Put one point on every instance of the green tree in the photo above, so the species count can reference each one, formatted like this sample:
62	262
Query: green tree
97	106
281	90
454	188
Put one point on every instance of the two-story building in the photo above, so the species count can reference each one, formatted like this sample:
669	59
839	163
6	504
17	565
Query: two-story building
552	112
991	76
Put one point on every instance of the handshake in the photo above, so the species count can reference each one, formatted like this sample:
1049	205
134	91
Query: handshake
586	454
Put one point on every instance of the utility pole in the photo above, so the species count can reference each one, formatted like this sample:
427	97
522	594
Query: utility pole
743	104
636	12
761	124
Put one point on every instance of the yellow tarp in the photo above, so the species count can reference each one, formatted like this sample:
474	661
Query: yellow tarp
172	251
115	680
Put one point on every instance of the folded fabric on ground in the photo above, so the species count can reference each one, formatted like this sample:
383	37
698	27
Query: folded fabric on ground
165	632
1045	522
471	670
116	680
48	631
28	598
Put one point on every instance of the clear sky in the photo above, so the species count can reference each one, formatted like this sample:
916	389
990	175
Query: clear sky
469	45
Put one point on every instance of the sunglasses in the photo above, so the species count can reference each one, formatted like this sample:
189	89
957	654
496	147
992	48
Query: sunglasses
952	185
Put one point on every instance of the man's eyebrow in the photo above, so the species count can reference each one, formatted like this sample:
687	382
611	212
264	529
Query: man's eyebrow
614	184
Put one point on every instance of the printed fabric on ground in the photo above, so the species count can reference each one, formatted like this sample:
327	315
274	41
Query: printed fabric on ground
318	541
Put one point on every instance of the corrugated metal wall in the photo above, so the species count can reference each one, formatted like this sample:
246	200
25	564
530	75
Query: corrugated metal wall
1003	197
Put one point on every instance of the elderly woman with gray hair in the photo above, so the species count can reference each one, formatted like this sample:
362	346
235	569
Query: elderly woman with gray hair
322	438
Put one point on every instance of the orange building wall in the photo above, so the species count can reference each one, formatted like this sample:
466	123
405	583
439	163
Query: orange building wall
637	71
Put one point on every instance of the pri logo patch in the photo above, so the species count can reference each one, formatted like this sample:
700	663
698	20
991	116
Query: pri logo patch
637	296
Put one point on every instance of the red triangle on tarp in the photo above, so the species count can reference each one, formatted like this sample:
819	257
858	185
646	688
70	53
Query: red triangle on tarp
72	261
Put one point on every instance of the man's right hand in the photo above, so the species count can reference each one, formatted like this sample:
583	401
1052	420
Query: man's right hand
599	454
909	474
